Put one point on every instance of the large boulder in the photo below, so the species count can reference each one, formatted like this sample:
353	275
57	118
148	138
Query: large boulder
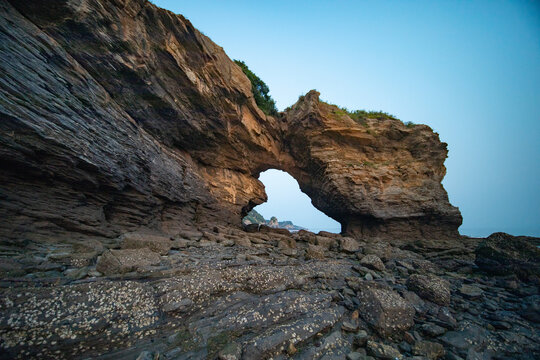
430	287
502	254
315	252
372	262
126	260
349	245
384	309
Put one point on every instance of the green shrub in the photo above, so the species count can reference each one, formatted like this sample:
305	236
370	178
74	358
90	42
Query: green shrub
260	90
360	116
410	124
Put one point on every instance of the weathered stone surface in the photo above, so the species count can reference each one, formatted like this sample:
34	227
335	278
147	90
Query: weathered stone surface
273	342
430	287
429	349
383	351
306	236
531	309
156	243
470	291
501	254
372	262
242	242
432	330
315	252
232	351
349	245
466	338
150	125
319	132
384	309
123	261
326	242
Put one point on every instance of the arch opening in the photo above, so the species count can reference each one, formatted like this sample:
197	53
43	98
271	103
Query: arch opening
288	207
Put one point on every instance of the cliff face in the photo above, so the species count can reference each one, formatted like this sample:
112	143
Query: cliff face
377	177
117	115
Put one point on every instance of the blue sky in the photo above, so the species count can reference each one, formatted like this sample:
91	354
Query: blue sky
469	69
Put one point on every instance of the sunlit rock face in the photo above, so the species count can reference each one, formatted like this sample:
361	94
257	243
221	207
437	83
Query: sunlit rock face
378	178
119	115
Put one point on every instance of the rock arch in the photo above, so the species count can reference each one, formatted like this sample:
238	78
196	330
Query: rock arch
286	201
126	116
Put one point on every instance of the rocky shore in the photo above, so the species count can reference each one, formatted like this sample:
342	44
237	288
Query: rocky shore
223	293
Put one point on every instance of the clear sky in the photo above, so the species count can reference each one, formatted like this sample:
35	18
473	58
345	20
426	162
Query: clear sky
468	69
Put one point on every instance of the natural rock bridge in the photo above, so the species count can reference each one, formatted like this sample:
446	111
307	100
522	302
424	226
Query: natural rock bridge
139	120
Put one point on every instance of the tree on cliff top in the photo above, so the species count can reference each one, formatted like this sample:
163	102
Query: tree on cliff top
260	90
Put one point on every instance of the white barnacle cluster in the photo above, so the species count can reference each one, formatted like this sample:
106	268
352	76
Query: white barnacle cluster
49	317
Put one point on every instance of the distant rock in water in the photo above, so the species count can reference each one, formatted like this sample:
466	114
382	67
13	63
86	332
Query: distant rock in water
253	217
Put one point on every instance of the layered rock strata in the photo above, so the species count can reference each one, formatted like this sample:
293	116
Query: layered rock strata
119	115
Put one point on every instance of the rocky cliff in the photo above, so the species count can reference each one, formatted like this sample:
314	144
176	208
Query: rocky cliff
118	115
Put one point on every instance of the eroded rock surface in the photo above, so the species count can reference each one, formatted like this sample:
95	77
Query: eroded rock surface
502	253
213	298
141	122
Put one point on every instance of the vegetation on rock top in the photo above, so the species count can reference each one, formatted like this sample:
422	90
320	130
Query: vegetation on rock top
260	90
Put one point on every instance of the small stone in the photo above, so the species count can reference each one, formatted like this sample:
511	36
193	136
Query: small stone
372	262
348	326
242	242
432	330
291	349
446	318
289	251
287	243
354	356
157	243
94	273
232	351
407	336
470	291
315	252
349	245
501	325
404	346
368	277
430	287
76	274
429	349
383	351
360	339
178	244
227	242
145	355
178	306
384	309
126	260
